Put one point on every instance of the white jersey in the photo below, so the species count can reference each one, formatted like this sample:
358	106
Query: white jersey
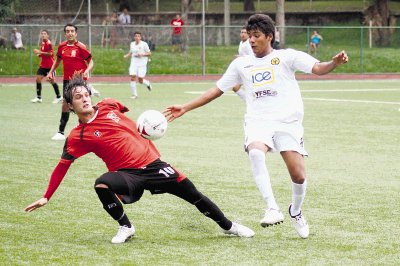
139	48
272	92
245	48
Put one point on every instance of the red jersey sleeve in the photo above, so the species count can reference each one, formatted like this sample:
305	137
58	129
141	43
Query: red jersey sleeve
85	52
56	177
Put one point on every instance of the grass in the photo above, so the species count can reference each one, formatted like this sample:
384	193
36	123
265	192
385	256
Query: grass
350	205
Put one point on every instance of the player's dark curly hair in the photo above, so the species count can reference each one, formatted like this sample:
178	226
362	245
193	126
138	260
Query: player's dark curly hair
263	23
76	81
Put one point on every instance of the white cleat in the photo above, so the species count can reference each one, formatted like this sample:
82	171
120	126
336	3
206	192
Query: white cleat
58	136
124	234
57	100
36	100
134	97
239	230
149	87
300	224
272	217
93	90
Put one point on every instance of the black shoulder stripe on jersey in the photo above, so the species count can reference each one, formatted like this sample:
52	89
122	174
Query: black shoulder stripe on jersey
81	134
65	155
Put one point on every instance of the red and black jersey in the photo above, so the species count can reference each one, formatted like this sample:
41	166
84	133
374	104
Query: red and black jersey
46	60
110	135
74	57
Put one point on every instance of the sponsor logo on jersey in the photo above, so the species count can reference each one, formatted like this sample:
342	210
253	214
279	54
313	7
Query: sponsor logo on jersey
113	116
73	53
262	76
263	93
275	61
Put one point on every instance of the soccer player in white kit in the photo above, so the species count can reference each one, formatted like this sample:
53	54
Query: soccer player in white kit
139	53
274	115
244	49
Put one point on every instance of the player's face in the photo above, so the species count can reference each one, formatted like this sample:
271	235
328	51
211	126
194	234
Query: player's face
70	34
243	35
137	37
44	35
81	101
260	43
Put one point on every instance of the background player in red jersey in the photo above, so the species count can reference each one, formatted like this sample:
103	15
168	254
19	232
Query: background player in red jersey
46	55
133	162
177	31
76	59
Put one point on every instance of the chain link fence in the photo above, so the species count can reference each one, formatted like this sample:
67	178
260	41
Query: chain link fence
110	43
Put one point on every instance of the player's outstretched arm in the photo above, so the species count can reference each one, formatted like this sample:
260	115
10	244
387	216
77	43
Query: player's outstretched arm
37	204
323	68
175	111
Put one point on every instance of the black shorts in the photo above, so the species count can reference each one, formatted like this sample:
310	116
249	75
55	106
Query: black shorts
176	39
44	71
157	177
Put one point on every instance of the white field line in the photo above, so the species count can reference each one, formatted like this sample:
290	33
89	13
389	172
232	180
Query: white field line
349	101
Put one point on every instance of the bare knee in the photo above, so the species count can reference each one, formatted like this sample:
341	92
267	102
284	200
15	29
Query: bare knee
298	176
101	186
140	80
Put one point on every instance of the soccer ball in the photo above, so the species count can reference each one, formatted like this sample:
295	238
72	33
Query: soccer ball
152	125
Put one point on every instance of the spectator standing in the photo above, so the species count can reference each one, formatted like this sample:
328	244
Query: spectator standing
46	55
315	41
109	32
139	52
177	32
16	40
124	18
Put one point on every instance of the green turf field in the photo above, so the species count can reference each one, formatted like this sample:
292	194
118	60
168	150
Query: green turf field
351	132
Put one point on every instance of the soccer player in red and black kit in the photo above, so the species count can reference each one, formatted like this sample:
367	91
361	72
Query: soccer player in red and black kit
76	59
46	54
133	162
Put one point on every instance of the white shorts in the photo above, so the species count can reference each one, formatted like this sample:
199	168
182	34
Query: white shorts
276	135
139	71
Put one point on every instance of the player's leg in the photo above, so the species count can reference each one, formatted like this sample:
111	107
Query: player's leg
39	78
133	86
257	151
55	87
142	70
133	73
64	117
107	186
295	165
186	190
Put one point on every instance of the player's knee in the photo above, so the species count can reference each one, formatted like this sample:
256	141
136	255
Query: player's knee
298	176
256	155
102	181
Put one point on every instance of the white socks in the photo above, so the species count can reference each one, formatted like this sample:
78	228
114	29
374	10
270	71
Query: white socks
261	176
133	88
298	195
146	82
241	94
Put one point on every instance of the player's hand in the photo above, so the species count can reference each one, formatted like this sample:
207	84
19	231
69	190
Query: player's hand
85	75
36	51
37	204
341	58
173	112
50	76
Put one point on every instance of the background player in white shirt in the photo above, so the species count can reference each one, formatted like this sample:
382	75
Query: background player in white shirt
139	53
243	50
273	120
